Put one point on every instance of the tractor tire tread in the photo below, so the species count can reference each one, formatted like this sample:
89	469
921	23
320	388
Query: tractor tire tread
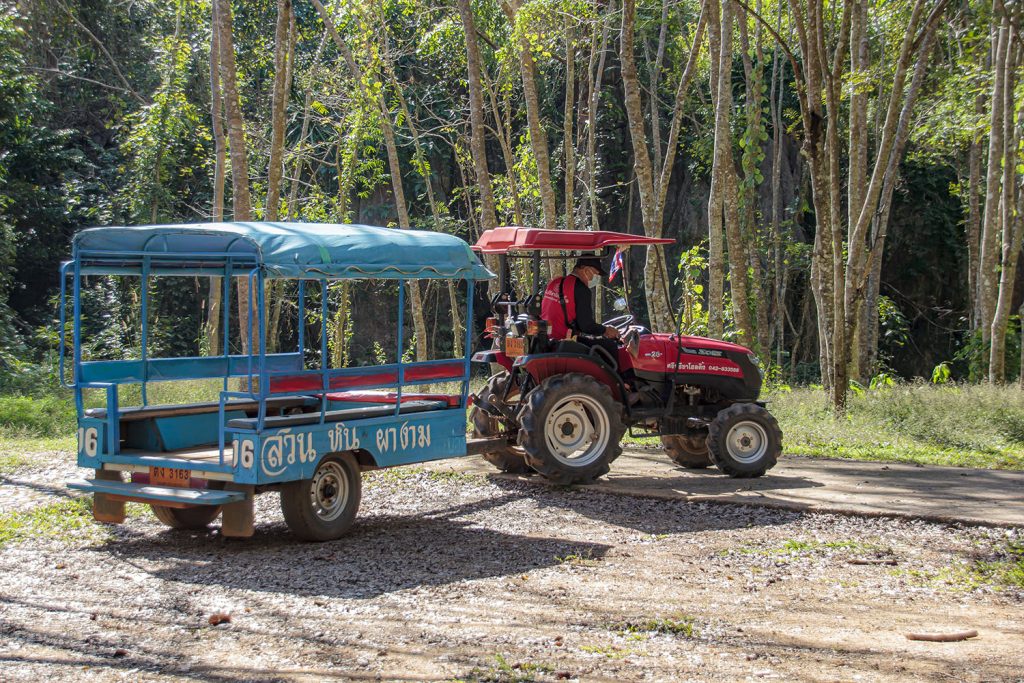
678	452
506	458
716	439
198	517
531	435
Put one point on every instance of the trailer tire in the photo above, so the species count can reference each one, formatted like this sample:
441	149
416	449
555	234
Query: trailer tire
323	508
198	517
686	450
744	440
567	413
508	458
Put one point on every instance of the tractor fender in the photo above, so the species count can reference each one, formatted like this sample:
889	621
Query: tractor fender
493	356
540	366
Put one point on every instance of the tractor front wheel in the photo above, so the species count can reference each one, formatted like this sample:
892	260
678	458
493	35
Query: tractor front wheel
507	458
686	450
571	428
744	440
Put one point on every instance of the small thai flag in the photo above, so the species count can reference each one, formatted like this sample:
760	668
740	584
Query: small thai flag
617	264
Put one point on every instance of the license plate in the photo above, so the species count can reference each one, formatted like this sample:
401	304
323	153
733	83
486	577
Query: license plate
165	476
515	346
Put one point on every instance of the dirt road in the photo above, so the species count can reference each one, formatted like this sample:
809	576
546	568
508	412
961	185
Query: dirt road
451	576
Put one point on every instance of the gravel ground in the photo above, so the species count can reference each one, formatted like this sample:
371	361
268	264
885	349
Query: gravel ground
455	577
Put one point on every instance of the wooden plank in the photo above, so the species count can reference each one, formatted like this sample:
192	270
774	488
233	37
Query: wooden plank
106	508
238	520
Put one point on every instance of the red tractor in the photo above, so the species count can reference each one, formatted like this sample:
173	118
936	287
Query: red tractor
563	407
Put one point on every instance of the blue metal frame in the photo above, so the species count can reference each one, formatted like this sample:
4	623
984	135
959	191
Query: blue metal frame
433	435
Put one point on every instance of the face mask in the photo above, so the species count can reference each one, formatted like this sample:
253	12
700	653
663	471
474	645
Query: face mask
593	282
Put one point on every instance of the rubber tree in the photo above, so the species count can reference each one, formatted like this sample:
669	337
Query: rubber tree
651	193
394	166
838	285
240	195
538	136
478	143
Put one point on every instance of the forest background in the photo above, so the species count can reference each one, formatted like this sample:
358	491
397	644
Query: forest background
843	180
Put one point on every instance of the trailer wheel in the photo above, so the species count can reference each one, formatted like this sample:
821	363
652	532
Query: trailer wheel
571	428
744	440
506	458
197	517
323	508
686	450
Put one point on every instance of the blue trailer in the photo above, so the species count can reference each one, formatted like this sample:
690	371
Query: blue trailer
279	424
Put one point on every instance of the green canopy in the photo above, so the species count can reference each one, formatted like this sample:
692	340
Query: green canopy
286	250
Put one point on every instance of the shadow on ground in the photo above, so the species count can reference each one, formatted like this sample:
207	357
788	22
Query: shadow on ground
385	553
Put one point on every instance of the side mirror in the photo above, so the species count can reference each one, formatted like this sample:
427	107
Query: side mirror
619	304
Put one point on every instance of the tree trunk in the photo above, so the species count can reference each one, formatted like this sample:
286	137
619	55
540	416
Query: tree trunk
505	141
716	227
488	219
570	160
1011	238
538	137
215	299
279	100
778	270
300	150
655	282
241	200
394	167
989	257
594	78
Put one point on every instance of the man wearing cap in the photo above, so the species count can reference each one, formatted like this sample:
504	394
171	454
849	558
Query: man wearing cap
569	307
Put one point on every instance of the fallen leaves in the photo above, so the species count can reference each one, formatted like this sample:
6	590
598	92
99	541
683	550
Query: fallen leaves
218	618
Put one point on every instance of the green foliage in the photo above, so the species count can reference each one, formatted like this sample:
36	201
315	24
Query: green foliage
67	520
952	424
49	416
166	144
941	374
693	265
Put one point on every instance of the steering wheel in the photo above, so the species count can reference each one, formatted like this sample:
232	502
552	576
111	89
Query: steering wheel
621	323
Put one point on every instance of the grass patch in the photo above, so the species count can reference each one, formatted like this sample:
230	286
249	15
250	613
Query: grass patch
609	651
25	417
584	558
954	425
64	520
1006	569
798	548
10	462
683	626
452	476
1003	569
504	672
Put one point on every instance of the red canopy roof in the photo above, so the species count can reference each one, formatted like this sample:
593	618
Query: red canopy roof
504	240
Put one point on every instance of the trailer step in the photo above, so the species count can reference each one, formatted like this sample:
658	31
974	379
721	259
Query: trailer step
146	493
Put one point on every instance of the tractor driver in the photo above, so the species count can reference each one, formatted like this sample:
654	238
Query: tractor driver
568	306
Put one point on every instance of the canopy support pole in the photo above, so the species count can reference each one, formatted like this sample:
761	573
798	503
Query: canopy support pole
401	368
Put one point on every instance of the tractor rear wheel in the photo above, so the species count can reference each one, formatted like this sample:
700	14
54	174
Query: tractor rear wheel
507	458
571	428
744	440
686	450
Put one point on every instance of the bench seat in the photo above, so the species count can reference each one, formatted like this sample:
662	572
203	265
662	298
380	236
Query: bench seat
146	412
361	413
